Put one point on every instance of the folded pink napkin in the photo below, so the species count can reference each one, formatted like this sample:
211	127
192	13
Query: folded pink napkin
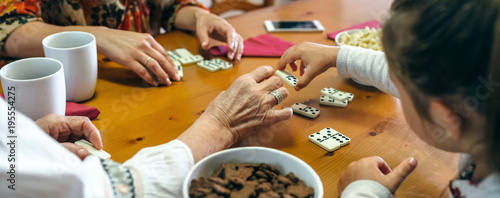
264	45
75	109
374	23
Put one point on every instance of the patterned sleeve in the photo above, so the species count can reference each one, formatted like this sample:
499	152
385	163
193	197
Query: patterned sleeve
14	13
170	12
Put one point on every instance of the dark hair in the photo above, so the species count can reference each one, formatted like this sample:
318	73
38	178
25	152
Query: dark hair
450	50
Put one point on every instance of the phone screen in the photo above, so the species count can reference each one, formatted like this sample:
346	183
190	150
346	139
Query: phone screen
294	24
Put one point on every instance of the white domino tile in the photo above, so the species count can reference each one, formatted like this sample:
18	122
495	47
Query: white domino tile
329	101
191	59
329	139
336	94
174	56
183	52
287	77
180	71
305	110
224	65
92	150
208	65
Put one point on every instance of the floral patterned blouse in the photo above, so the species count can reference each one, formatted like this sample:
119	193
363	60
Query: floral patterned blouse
134	15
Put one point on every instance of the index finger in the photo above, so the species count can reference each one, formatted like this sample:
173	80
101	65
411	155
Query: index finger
290	56
82	125
261	73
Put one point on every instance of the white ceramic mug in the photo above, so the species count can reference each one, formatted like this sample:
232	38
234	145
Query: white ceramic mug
35	86
77	52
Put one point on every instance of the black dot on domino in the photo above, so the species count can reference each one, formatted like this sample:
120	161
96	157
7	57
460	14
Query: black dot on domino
317	133
311	136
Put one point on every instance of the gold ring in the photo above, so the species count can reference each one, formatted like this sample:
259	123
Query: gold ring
147	60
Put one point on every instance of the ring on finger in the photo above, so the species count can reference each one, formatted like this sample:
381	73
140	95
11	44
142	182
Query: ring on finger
277	95
147	60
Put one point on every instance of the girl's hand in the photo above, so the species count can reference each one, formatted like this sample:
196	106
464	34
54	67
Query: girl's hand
316	59
375	169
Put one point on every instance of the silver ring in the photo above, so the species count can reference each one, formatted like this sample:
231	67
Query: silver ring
277	95
147	60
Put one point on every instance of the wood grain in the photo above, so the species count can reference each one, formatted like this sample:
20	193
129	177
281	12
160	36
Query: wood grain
135	115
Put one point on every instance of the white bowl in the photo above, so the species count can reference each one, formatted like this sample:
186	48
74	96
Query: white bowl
284	162
339	35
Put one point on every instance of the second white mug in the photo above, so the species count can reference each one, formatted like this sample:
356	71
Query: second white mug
77	52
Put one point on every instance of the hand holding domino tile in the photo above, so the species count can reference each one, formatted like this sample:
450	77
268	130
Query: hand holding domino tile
315	57
66	129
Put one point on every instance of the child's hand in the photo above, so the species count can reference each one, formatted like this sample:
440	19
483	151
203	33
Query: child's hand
375	169
315	57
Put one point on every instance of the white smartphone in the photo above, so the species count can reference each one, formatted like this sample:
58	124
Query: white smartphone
293	26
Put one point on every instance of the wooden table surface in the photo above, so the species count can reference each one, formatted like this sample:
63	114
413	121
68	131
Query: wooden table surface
135	115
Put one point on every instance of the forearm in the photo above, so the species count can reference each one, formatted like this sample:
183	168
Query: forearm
207	136
26	41
187	16
367	66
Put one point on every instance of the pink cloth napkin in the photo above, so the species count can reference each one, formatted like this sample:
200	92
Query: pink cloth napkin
374	23
75	109
264	45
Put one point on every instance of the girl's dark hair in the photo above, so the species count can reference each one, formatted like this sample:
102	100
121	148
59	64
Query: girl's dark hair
450	50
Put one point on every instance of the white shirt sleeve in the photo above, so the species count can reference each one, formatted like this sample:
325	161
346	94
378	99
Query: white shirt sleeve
365	188
366	66
44	168
38	166
162	168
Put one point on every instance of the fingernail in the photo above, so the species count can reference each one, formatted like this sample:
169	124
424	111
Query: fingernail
81	152
204	44
231	56
413	162
239	57
168	82
177	77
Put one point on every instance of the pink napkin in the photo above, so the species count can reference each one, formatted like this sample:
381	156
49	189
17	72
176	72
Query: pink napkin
264	45
75	109
374	23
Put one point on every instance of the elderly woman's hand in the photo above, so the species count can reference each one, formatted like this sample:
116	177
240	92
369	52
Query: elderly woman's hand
68	129
236	113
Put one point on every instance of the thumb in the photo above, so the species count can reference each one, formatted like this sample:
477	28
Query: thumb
399	174
202	33
303	82
78	150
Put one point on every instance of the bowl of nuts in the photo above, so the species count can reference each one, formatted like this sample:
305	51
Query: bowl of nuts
252	172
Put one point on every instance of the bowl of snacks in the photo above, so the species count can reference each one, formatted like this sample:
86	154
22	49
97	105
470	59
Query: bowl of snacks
368	38
252	172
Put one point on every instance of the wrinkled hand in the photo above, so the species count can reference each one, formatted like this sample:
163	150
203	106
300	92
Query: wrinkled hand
316	59
213	30
68	129
132	49
247	104
375	169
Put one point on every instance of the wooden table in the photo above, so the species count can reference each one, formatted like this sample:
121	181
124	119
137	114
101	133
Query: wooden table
134	115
